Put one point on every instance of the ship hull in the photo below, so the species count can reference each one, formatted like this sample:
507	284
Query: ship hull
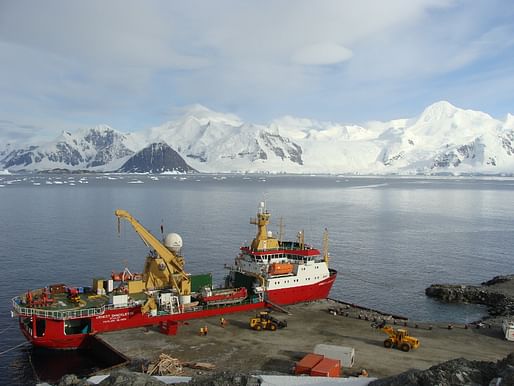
54	335
119	319
304	293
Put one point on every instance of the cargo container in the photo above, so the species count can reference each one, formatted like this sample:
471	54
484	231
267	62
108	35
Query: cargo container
200	281
327	367
345	354
57	289
305	365
508	329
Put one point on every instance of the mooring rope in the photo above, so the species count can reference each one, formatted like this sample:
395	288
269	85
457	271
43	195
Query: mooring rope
5	329
15	347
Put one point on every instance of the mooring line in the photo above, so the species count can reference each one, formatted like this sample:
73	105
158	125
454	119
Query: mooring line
5	329
13	348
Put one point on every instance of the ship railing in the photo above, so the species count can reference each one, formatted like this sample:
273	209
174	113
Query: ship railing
206	307
57	314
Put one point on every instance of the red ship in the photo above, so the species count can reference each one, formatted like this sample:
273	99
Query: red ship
270	271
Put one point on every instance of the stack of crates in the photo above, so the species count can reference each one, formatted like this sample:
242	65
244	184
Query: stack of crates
316	365
328	367
305	365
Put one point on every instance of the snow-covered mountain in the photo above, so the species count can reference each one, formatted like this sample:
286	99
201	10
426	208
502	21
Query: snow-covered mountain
90	149
443	138
215	142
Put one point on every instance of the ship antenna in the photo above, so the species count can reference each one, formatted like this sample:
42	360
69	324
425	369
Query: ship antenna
325	246
301	239
281	229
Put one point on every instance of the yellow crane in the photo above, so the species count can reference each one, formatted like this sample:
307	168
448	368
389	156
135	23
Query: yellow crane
164	267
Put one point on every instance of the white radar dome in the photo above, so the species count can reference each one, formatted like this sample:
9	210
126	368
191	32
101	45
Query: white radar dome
173	241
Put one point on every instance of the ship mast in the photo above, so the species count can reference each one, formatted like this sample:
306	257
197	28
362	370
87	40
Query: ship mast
263	240
326	256
281	227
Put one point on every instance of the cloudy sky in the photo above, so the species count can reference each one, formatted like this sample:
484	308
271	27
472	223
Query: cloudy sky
134	64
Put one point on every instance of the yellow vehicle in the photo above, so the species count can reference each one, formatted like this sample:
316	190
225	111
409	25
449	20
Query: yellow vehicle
398	338
264	321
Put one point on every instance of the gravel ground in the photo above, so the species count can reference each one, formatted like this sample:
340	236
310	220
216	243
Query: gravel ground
237	348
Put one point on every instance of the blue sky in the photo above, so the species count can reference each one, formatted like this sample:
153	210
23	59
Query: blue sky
133	64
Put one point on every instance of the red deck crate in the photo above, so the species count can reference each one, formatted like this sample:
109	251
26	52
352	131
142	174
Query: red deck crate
327	368
305	365
169	327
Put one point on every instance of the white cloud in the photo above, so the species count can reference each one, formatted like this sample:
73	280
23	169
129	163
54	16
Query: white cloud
321	54
113	61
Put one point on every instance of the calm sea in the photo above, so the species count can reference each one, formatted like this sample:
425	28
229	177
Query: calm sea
390	238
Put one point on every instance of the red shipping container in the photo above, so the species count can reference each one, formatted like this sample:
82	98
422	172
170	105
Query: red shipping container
327	368
305	365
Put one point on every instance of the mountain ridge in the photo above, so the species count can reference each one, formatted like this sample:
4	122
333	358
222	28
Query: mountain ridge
442	139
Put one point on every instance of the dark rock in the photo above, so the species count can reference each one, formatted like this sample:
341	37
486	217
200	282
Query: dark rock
126	377
498	303
72	380
498	280
282	147
156	158
455	372
224	379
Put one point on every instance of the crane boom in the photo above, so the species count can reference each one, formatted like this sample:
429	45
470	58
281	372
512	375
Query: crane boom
164	268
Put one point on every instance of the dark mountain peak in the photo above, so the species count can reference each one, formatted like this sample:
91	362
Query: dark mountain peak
157	157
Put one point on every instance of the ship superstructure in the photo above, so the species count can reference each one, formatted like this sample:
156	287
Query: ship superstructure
269	271
285	272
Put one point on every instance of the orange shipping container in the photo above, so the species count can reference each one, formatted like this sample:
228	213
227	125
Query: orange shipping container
305	365
327	368
280	268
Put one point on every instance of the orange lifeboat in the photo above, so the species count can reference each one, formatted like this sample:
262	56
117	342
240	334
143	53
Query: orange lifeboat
126	276
280	268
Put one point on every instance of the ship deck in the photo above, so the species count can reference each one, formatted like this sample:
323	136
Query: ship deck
62	302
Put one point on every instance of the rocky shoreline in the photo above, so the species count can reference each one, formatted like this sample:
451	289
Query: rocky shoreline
454	372
497	294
